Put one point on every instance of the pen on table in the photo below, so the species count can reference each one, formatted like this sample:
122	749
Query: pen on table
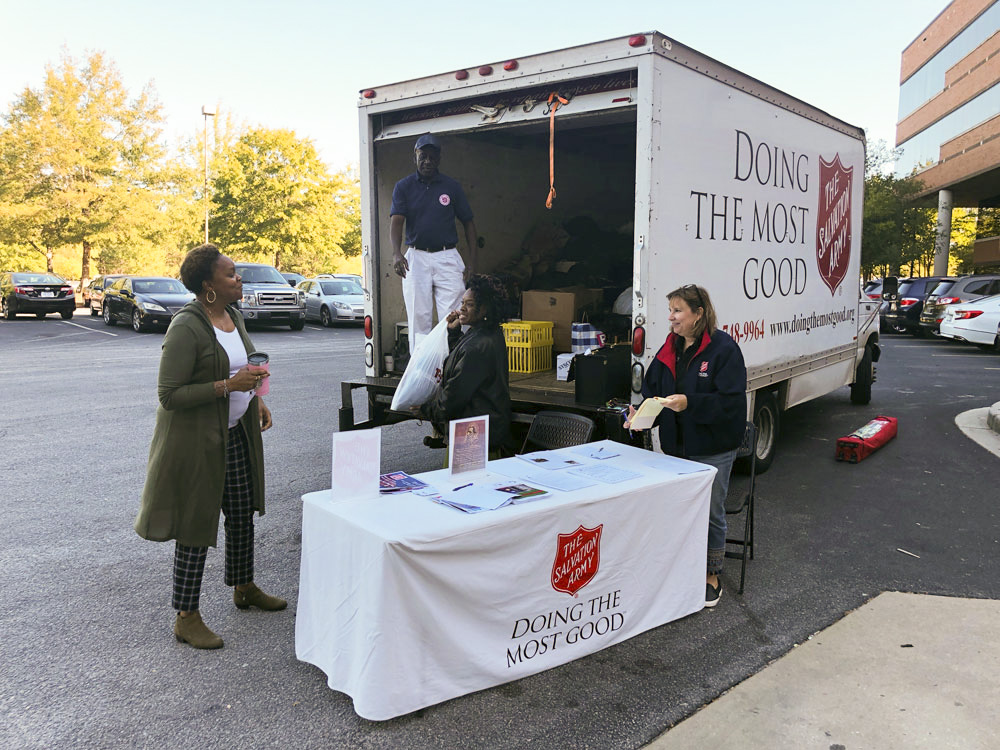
456	489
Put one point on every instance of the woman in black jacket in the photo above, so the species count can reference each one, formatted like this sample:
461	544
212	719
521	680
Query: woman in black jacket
474	376
701	378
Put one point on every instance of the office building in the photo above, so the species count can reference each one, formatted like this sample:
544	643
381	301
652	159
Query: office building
949	121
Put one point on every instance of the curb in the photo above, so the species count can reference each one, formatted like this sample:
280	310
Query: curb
982	426
993	417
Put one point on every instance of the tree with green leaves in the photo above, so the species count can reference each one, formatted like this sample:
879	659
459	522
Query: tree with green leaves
274	201
79	161
896	234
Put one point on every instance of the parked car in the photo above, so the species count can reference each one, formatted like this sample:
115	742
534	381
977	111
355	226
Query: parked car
93	293
976	322
353	276
293	279
267	297
903	314
953	290
331	300
35	293
144	301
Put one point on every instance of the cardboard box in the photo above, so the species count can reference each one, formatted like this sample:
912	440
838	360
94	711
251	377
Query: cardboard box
563	362
562	307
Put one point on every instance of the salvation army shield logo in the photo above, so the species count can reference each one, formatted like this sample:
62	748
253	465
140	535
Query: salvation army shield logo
833	222
578	557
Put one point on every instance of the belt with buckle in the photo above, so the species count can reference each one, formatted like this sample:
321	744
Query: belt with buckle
435	249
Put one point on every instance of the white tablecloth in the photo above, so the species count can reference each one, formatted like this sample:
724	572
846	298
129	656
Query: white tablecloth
404	603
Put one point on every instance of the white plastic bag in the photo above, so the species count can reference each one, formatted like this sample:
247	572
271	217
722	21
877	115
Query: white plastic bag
423	373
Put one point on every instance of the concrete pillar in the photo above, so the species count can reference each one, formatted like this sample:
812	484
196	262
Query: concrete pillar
942	242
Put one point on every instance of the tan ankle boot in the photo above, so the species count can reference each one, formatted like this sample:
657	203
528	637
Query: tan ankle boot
253	596
191	629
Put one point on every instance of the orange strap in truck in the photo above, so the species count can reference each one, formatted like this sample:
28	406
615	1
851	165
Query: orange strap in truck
553	106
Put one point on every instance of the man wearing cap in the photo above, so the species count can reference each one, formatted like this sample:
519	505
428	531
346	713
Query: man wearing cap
432	270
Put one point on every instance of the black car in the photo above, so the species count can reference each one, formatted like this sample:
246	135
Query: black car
144	301
36	293
952	290
903	315
93	293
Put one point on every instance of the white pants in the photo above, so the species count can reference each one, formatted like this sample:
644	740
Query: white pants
433	278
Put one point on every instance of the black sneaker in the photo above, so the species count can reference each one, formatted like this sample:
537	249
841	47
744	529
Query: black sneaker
712	594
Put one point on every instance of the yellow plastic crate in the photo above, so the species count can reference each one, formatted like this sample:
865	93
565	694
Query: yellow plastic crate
529	345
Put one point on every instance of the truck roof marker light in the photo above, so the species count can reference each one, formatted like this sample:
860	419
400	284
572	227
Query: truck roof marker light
368	93
368	326
486	70
461	75
638	341
621	99
510	65
639	40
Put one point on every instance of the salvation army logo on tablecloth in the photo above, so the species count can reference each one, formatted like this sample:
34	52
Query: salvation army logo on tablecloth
444	199
578	557
833	222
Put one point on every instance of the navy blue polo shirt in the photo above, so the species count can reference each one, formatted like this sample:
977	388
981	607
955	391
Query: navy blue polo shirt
430	208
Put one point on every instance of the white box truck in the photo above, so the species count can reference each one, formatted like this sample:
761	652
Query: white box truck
716	179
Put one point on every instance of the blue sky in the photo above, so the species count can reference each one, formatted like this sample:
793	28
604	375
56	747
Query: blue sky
299	64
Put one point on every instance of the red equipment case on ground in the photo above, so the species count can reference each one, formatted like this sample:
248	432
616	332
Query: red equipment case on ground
863	442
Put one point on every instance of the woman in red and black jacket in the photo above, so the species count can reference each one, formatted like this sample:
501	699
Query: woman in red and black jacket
700	375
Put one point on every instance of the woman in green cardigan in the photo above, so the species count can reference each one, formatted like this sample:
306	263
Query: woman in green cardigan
207	453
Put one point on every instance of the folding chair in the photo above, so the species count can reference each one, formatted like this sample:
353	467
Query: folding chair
740	499
557	429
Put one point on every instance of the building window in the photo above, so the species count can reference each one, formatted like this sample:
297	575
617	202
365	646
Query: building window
923	150
928	81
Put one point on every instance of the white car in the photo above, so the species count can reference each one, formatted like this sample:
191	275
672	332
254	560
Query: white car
977	322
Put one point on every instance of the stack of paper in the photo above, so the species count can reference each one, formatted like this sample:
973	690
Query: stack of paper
549	460
477	497
399	481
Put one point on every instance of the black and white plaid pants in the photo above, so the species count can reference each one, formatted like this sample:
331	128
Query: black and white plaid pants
237	506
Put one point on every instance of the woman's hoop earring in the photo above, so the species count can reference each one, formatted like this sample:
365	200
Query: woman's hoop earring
213	298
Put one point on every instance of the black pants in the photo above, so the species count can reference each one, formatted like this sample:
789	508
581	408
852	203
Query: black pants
237	506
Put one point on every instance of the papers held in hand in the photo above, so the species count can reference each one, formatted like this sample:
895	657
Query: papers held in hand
646	414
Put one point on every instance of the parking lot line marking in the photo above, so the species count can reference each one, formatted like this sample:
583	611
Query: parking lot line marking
92	330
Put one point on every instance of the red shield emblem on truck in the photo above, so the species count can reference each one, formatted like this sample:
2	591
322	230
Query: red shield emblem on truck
833	222
578	557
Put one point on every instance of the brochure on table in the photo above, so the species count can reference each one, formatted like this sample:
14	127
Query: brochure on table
468	445
356	461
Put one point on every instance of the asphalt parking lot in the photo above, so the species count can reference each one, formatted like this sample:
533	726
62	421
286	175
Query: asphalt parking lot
89	659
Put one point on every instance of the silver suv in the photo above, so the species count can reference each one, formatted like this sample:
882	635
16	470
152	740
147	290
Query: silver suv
267	297
952	290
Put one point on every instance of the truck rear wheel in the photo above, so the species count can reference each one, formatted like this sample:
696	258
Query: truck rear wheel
861	388
766	420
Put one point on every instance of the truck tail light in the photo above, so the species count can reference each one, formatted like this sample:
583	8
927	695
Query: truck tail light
637	374
637	41
510	65
461	75
638	341
908	301
368	326
368	93
486	70
967	314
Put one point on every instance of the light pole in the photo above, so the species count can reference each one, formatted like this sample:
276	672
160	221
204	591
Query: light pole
206	114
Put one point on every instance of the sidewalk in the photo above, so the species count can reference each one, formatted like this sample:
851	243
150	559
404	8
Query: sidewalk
903	671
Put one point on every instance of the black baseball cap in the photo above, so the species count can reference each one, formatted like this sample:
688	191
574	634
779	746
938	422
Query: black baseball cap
427	141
